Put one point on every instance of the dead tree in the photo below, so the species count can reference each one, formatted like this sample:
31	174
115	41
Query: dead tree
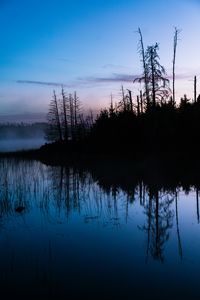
174	62
141	102
130	100
64	109
71	115
123	98
54	130
76	109
145	74
158	83
195	89
154	76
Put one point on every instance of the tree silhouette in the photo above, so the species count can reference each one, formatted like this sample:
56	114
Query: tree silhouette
54	130
145	74
154	77
66	122
64	107
176	32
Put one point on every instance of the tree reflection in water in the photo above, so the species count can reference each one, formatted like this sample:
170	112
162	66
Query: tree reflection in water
82	229
62	191
159	212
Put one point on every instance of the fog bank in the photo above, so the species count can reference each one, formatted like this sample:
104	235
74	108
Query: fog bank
20	144
15	137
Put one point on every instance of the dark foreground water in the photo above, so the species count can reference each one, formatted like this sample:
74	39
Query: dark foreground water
66	235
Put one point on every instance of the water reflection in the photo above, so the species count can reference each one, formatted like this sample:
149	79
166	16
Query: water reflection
63	191
56	221
159	212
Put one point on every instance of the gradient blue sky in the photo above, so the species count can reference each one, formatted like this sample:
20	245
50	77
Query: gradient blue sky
89	46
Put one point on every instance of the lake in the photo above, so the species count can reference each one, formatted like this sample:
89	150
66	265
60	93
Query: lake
68	233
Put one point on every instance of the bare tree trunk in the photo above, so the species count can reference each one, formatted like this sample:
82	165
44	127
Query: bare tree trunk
71	109
153	78
57	116
174	61
75	109
111	105
144	67
130	99
195	89
76	112
141	102
123	98
64	115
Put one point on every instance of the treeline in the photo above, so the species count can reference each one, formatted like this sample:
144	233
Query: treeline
151	122
132	127
165	127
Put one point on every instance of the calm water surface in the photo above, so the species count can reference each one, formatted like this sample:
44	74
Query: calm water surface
66	235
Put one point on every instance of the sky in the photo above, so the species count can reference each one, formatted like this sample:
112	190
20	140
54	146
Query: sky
90	46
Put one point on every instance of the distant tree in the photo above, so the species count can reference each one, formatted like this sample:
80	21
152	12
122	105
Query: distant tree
64	120
126	103
71	115
54	130
184	102
77	108
89	121
130	101
123	102
74	115
64	107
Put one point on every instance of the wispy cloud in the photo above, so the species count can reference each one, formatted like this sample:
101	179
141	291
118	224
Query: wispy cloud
116	77
96	80
45	83
181	76
113	78
83	81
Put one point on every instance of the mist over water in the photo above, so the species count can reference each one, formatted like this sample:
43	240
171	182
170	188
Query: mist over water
15	137
10	145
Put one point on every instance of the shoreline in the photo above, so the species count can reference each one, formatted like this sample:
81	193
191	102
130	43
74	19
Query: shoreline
166	170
